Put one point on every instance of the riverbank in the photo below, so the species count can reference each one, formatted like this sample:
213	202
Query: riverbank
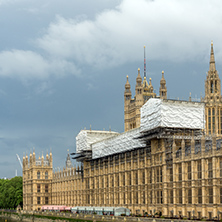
37	216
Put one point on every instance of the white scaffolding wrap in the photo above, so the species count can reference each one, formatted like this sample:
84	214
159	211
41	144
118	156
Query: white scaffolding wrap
86	137
121	143
171	113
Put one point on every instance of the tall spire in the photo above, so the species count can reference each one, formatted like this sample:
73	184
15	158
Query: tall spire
212	60
144	61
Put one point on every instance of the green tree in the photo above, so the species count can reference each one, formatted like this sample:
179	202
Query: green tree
11	194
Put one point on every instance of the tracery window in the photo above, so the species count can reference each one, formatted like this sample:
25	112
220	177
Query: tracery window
213	120
38	188
209	121
46	175
46	188
210	170
189	193
199	195
38	175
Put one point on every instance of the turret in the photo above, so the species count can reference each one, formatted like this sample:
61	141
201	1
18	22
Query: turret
33	155
127	93
150	86
50	158
212	83
68	162
163	89
139	86
42	159
213	98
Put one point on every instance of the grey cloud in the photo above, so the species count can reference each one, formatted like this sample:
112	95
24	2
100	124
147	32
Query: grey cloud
173	30
28	64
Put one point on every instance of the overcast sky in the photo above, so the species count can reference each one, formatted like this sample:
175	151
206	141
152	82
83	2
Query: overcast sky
63	65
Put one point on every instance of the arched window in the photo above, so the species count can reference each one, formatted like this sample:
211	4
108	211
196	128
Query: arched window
209	121
38	175
46	175
213	120
211	87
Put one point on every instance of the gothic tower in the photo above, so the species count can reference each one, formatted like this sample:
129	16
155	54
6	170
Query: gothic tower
213	101
143	92
37	181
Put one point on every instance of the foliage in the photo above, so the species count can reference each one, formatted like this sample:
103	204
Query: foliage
11	193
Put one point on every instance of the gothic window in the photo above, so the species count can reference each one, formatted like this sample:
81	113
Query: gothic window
112	180
180	173
38	175
199	195
220	195
143	177
46	175
189	196
124	198
171	196
171	174
215	86
38	188
144	197
46	200
117	180
123	179
210	195
189	171
211	87
102	185
210	170
107	181
209	120
129	178
150	175
38	200
136	178
213	120
46	188
180	196
157	175
97	182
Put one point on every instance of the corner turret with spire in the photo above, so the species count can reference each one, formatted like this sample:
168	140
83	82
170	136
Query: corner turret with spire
213	101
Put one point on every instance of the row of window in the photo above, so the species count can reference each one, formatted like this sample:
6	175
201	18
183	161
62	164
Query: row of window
39	188
212	120
153	197
45	198
39	175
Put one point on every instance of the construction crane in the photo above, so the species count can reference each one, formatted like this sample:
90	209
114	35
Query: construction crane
19	160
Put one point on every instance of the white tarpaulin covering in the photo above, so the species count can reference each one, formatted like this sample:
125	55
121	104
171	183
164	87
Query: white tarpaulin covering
121	143
171	113
86	137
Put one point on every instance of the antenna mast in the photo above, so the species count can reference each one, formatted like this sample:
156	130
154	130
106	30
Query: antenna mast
144	61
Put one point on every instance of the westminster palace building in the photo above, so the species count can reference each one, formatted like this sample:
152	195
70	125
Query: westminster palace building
167	161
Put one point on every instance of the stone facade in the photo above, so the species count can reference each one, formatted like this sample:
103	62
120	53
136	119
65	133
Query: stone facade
179	173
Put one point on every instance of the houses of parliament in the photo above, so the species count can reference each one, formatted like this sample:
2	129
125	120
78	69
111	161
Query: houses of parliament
167	161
